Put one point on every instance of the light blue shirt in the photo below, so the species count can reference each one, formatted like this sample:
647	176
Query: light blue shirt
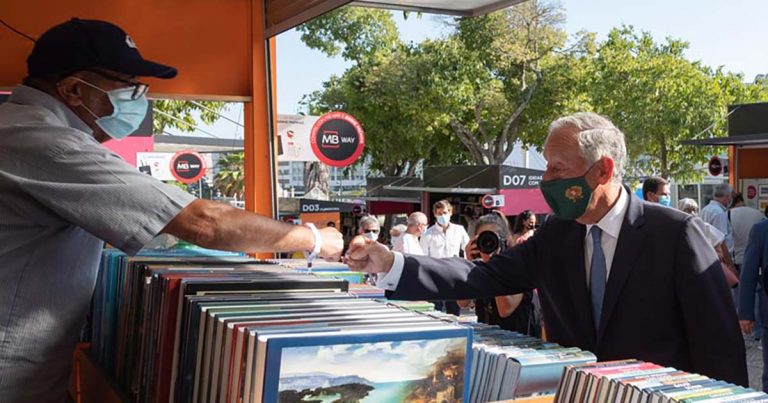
715	214
61	195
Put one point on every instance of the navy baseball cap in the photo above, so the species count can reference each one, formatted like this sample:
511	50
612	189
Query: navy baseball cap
84	44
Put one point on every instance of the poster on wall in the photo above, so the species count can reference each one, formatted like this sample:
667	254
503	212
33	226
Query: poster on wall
293	137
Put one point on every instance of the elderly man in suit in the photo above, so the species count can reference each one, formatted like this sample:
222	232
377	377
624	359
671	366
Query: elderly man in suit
618	276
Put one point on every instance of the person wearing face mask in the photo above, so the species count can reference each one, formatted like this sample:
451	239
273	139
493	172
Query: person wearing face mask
369	227
618	276
444	239
525	225
62	195
417	224
510	312
656	190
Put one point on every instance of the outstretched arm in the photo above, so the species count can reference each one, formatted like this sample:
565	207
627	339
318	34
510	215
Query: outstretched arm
219	226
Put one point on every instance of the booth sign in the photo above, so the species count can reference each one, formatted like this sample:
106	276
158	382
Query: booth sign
188	167
337	139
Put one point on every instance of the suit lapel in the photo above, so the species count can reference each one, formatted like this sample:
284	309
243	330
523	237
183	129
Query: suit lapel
628	248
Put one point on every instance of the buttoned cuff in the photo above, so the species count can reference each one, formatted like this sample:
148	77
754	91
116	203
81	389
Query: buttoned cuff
390	280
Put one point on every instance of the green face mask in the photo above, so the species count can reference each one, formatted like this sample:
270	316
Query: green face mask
568	198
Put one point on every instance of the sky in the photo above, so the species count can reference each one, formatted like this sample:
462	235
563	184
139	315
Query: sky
729	33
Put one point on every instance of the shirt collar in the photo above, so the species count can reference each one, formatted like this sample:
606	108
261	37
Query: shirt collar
25	95
718	204
612	221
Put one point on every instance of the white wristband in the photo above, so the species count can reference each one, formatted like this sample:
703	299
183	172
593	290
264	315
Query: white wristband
311	255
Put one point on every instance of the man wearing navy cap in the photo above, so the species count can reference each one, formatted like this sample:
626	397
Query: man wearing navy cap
62	195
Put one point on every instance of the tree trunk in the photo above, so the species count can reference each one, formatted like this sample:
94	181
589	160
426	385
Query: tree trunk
315	175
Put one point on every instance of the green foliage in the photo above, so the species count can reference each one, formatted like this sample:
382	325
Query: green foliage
182	114
230	180
659	98
355	33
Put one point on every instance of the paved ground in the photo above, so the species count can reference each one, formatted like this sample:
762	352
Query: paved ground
754	362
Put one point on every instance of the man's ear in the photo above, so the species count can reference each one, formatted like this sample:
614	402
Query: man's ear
605	168
70	90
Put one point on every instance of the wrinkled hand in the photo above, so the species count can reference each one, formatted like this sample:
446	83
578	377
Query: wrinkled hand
333	244
368	256
746	326
471	251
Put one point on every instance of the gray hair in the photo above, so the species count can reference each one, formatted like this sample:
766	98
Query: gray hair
598	137
687	204
493	219
721	190
417	218
368	220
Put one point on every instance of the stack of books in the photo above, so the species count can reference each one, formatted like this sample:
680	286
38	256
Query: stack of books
508	365
177	326
643	382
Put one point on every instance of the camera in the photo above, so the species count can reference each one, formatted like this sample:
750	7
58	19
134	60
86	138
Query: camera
490	242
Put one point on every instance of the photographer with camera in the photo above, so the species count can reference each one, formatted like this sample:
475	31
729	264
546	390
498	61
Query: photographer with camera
510	312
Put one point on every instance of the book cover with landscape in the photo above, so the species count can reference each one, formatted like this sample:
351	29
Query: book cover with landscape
392	371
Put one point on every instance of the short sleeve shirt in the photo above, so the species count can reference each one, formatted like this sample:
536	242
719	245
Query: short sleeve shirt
61	195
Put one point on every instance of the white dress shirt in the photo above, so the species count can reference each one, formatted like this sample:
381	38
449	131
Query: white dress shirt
409	244
610	224
439	244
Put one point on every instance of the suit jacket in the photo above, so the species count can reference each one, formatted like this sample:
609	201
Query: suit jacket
666	300
755	257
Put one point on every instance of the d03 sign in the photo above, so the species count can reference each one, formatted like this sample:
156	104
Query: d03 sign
337	139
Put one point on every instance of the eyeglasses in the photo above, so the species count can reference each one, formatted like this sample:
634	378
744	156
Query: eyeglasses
369	231
139	89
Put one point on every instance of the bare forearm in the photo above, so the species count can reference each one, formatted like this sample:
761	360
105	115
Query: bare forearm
218	226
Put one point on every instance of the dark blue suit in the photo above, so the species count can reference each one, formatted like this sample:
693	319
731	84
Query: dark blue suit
666	300
755	257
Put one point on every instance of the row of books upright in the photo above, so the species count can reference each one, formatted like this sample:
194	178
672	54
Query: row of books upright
643	382
206	326
508	365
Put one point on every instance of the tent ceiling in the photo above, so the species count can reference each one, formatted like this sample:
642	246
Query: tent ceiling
760	139
283	15
451	7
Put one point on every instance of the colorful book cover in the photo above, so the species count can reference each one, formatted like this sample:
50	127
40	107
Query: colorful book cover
426	365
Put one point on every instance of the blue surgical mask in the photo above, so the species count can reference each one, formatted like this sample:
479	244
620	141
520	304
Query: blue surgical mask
127	114
443	219
665	200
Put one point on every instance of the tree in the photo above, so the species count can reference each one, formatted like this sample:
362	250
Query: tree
383	89
181	114
230	180
659	98
503	57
